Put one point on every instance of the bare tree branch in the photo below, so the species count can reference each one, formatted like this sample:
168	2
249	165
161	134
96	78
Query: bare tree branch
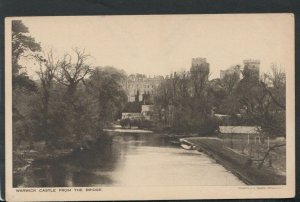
71	73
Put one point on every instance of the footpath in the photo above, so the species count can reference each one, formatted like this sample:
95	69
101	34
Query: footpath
237	163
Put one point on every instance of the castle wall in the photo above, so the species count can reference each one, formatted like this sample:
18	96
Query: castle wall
144	86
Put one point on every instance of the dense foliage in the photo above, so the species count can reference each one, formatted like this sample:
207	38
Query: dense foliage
185	102
188	101
69	104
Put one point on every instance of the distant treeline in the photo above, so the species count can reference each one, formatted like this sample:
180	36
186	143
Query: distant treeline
188	102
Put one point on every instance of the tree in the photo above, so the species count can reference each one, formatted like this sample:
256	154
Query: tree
199	80
24	89
48	67
276	90
185	101
163	95
224	92
200	102
217	93
108	95
71	73
264	101
22	46
230	81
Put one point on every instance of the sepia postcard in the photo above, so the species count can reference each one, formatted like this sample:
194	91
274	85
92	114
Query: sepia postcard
150	107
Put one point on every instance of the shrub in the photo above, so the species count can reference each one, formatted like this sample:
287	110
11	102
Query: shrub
144	123
125	122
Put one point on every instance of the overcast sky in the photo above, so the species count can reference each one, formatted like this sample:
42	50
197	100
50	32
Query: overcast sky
161	44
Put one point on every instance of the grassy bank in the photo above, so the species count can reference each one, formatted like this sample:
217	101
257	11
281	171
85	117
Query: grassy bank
238	163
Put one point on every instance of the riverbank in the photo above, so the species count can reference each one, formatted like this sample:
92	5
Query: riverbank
120	161
237	163
24	156
127	130
26	161
214	147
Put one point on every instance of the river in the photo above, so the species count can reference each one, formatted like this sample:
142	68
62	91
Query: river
130	160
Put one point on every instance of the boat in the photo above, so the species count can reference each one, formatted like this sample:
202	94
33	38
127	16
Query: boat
187	145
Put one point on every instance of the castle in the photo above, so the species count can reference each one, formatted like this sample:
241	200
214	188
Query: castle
139	87
251	68
200	67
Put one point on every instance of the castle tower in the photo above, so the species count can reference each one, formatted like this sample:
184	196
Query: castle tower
199	67
251	68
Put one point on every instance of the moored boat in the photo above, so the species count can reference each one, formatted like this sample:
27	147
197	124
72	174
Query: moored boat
187	145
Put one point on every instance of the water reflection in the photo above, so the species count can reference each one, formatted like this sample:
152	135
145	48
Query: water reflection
130	160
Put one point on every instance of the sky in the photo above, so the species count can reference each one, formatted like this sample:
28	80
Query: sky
161	44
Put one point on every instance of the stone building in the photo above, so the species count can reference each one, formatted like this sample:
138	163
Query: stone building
251	68
199	67
139	87
150	112
132	116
